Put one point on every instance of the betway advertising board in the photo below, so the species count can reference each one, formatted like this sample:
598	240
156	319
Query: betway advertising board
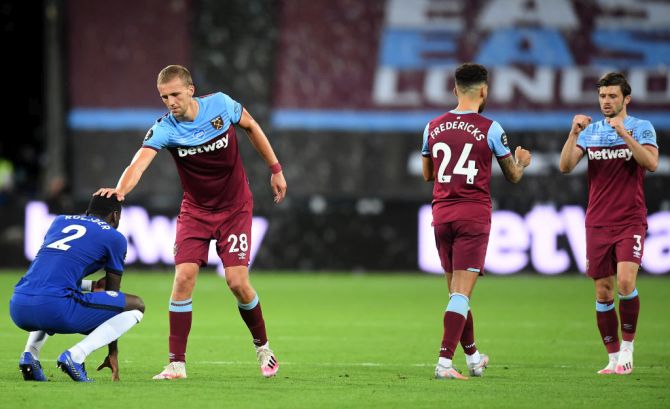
547	239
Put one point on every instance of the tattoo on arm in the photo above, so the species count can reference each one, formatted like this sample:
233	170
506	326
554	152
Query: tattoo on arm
510	169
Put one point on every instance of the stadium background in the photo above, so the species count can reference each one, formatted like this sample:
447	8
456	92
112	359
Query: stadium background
343	89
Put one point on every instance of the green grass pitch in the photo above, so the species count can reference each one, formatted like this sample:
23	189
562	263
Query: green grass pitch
360	341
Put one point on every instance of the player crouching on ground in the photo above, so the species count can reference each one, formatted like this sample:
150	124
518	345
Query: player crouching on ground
51	299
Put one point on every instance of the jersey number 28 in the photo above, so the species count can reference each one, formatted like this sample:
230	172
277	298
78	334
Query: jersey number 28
61	244
470	172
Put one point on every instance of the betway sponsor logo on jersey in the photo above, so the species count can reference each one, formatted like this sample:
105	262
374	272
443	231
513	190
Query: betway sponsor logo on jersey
607	153
461	125
207	147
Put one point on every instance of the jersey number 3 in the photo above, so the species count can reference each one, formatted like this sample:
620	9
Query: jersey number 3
470	172
61	244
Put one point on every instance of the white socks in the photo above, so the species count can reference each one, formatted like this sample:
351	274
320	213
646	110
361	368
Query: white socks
36	341
614	356
474	358
627	345
107	332
444	362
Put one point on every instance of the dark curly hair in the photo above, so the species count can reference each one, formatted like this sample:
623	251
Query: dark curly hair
615	78
470	74
102	206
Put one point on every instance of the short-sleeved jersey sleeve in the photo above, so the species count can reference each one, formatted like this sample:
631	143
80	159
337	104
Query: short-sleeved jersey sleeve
116	253
233	108
581	139
497	140
425	151
157	137
645	133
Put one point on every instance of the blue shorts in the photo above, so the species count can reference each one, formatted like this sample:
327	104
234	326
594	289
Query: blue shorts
78	313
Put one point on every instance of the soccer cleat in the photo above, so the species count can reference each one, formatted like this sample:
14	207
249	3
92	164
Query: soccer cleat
609	369
477	369
31	368
447	372
267	361
624	365
174	370
76	371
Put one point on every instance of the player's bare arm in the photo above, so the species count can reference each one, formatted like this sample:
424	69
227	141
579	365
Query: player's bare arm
262	145
646	156
513	167
428	169
131	176
571	154
111	361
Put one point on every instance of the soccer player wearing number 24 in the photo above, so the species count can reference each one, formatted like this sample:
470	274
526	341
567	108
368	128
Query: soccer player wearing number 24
457	155
620	150
200	134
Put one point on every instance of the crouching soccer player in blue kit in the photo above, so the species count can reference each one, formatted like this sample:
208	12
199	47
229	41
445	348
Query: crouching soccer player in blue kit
50	299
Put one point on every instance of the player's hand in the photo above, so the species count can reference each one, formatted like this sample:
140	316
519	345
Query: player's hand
99	285
579	123
617	124
108	192
111	362
522	156
278	184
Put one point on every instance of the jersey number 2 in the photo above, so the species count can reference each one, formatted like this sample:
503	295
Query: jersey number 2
470	172
60	244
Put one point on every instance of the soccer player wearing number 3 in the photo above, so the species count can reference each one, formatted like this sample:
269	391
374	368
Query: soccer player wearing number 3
620	150
457	154
200	134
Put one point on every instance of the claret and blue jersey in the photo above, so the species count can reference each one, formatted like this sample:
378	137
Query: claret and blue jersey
461	146
205	151
616	187
74	247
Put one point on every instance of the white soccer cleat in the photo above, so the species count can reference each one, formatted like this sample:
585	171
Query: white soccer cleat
609	369
447	372
174	370
267	361
624	365
477	368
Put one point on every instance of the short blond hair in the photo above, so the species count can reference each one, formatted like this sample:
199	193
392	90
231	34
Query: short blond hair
171	71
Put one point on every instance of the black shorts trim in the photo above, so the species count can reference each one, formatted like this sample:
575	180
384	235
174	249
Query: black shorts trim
98	306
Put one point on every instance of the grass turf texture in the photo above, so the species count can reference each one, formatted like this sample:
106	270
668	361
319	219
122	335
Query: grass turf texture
359	341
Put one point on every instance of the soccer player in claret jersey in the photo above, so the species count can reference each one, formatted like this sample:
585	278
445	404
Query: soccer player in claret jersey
51	299
199	133
620	149
457	153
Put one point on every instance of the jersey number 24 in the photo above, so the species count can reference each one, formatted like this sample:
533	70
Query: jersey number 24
470	172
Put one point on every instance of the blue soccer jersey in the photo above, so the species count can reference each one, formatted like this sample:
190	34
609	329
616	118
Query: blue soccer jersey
206	153
73	248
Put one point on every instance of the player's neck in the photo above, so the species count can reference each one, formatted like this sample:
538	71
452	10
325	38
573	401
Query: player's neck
191	113
468	105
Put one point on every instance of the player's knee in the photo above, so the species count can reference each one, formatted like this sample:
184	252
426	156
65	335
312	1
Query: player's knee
237	285
604	293
140	305
626	286
184	283
135	303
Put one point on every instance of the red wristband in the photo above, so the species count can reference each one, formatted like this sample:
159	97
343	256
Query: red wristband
276	168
